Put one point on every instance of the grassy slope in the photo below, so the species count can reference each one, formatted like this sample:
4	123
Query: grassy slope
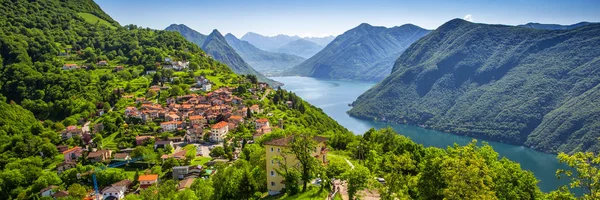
92	19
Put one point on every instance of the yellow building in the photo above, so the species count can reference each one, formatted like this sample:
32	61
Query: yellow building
275	151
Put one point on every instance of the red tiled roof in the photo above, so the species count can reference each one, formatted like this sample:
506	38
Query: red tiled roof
220	125
149	177
195	117
72	149
262	120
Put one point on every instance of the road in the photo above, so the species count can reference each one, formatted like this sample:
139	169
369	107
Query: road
266	93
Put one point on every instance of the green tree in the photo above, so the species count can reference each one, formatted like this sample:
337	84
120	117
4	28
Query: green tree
586	174
203	188
358	179
302	147
77	191
217	152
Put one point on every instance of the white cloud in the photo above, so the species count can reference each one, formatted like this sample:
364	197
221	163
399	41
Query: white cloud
468	17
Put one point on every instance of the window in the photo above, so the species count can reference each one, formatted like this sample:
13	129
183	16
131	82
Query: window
278	150
271	149
272	183
272	173
272	161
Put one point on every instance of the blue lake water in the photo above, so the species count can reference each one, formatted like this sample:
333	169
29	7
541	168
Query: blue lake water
333	97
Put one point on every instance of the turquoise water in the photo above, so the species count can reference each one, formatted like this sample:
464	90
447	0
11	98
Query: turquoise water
334	96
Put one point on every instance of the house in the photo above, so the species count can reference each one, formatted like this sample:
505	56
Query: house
70	66
118	68
276	149
180	172
62	148
122	157
289	103
167	59
263	130
114	192
218	131
100	155
162	144
139	140
170	126
194	134
173	117
255	109
197	120
150	72
64	166
148	180
262	122
184	172
236	119
72	154
71	131
60	194
185	183
207	87
102	63
49	191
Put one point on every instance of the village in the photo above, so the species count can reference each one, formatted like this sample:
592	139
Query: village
201	125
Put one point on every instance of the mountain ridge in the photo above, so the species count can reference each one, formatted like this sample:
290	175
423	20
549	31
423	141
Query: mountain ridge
504	83
263	61
365	52
217	47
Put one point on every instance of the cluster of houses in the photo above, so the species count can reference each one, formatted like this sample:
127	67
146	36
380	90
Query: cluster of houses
175	65
215	113
193	113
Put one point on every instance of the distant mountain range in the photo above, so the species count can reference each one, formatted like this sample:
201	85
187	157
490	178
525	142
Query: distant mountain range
279	43
300	47
268	63
217	47
362	53
510	84
553	26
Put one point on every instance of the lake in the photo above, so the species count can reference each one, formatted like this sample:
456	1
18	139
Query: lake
333	97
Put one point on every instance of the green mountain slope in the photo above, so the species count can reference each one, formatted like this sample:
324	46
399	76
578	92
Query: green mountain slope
217	47
189	34
301	47
357	53
515	85
263	61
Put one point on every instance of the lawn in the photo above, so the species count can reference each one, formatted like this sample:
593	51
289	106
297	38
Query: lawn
92	19
108	142
312	193
200	160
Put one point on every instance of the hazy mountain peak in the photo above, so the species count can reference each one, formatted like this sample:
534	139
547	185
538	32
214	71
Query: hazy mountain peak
216	32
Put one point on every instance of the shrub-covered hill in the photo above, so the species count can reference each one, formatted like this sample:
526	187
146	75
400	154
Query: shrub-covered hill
511	84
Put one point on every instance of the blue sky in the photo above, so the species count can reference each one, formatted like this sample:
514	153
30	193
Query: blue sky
333	17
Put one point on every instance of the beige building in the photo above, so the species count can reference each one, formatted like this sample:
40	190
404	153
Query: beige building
275	152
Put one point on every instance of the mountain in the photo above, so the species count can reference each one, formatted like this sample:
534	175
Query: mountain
263	61
217	47
362	53
553	26
272	43
300	47
321	41
523	86
266	42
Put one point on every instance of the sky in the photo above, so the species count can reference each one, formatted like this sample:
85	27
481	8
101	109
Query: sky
317	18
